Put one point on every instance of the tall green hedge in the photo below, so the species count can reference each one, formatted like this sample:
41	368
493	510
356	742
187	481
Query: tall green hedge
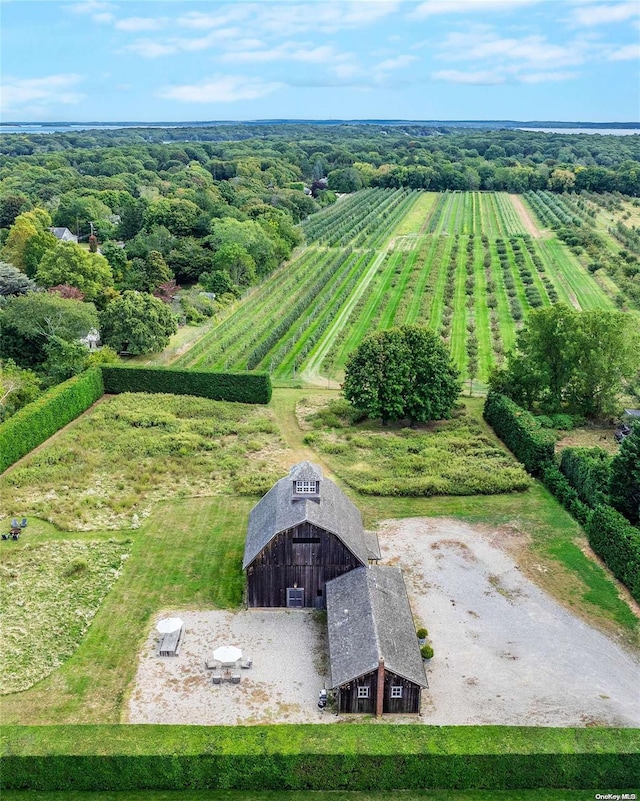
588	470
244	387
34	423
310	757
520	432
618	542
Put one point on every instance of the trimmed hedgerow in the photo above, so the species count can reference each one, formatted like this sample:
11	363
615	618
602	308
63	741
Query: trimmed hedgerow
520	432
560	487
36	422
242	387
618	542
310	757
588	470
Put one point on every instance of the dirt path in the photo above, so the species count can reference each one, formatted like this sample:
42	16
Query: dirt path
526	218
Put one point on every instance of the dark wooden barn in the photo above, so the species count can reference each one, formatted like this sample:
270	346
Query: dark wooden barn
301	534
375	659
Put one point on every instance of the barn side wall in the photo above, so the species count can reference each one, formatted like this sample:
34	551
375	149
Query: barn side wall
348	701
304	556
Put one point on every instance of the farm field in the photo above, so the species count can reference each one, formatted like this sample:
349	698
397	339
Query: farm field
185	551
471	265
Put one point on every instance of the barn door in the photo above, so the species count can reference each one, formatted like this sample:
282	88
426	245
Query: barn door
295	597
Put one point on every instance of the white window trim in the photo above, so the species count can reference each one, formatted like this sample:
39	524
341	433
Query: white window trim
396	692
306	487
363	692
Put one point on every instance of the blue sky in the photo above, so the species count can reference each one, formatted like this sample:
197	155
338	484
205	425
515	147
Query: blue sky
162	60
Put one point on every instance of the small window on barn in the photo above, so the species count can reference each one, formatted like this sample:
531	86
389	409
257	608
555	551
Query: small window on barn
363	692
396	692
306	487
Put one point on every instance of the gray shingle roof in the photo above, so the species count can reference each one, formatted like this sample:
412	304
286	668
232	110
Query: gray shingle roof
305	471
368	617
64	234
279	510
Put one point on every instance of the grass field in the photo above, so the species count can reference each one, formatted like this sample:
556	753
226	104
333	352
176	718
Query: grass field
186	554
464	263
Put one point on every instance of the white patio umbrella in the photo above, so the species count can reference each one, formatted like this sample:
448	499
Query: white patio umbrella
169	624
227	653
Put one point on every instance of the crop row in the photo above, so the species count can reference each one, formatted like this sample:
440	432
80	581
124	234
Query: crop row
551	211
480	213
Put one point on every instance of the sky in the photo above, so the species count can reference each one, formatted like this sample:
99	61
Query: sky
186	60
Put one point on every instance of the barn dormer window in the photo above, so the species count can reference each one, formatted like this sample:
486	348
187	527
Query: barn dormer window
305	487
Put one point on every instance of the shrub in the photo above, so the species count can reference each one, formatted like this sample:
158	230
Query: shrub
588	470
558	485
520	432
614	539
422	634
36	422
242	387
426	651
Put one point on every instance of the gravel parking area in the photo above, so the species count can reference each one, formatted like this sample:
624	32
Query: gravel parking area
506	653
287	649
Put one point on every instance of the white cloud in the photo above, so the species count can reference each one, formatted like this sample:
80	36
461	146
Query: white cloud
150	49
546	77
626	53
140	24
287	51
201	21
397	63
477	77
435	7
605	13
18	92
221	89
99	12
482	43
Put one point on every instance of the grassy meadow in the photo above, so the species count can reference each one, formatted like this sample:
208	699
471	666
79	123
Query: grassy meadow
186	550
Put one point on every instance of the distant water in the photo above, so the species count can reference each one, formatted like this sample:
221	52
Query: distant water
46	129
603	131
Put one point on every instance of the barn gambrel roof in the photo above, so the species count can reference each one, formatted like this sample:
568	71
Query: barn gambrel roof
281	509
369	618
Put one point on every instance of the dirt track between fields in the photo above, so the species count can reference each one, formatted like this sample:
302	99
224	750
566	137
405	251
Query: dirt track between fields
526	218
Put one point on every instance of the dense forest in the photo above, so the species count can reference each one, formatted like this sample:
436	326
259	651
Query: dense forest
214	210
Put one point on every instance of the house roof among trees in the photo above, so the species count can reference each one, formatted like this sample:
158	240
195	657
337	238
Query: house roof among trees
369	618
64	234
281	509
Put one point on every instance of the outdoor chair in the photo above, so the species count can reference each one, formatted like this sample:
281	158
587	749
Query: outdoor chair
235	678
217	678
23	523
210	664
246	665
14	523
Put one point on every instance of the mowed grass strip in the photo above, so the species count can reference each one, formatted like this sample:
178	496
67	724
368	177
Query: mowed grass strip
49	594
481	312
507	325
417	217
458	341
448	457
109	469
581	284
428	249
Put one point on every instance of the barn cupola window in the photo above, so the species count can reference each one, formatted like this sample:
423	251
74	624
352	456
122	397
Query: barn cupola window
306	478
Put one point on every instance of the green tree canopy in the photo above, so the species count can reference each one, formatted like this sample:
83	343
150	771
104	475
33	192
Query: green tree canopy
137	323
250	236
28	226
69	264
179	216
17	388
28	322
625	477
573	359
14	281
402	373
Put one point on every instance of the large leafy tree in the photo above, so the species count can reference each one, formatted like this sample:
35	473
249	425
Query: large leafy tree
69	264
625	477
571	359
17	388
28	239
28	323
402	373
137	323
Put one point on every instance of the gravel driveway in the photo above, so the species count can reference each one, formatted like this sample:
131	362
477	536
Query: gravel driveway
505	651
